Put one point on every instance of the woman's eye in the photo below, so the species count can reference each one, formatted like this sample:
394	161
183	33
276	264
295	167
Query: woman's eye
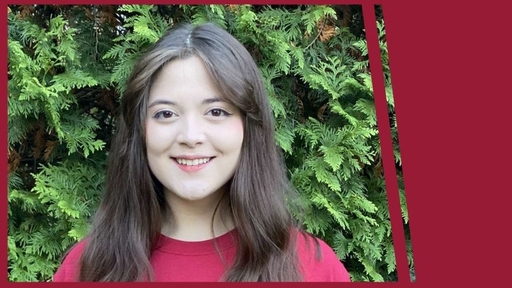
218	112
164	114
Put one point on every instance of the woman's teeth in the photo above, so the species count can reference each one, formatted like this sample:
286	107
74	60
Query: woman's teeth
192	162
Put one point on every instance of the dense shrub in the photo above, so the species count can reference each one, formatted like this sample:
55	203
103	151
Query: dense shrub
67	71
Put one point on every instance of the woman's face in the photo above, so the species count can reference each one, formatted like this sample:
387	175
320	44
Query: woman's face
193	138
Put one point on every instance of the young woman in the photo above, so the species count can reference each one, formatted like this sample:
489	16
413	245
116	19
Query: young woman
196	188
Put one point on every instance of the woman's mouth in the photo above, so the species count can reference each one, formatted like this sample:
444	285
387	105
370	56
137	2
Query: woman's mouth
192	165
194	162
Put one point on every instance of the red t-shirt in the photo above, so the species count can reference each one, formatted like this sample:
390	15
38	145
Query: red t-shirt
180	261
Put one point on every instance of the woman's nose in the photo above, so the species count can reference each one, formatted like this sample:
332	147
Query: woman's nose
192	131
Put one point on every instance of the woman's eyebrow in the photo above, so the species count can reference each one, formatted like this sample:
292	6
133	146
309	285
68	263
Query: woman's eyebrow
165	102
212	100
172	103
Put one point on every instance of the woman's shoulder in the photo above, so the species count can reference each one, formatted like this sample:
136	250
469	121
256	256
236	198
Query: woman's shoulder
69	267
318	260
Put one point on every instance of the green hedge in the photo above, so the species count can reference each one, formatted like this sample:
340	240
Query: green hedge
67	71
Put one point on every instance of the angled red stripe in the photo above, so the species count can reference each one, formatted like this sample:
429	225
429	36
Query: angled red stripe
386	143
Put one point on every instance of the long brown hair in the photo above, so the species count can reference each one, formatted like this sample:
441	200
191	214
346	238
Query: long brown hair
127	224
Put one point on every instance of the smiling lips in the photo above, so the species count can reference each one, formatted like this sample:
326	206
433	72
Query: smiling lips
192	165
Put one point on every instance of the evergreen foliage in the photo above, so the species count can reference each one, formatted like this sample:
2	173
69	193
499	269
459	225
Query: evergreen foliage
67	67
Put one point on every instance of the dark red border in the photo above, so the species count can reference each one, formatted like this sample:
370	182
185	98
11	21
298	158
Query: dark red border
3	141
450	67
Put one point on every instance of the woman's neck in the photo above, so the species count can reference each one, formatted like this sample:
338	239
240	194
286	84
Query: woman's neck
192	220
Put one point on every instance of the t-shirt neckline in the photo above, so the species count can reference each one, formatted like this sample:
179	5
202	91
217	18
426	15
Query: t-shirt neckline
175	246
